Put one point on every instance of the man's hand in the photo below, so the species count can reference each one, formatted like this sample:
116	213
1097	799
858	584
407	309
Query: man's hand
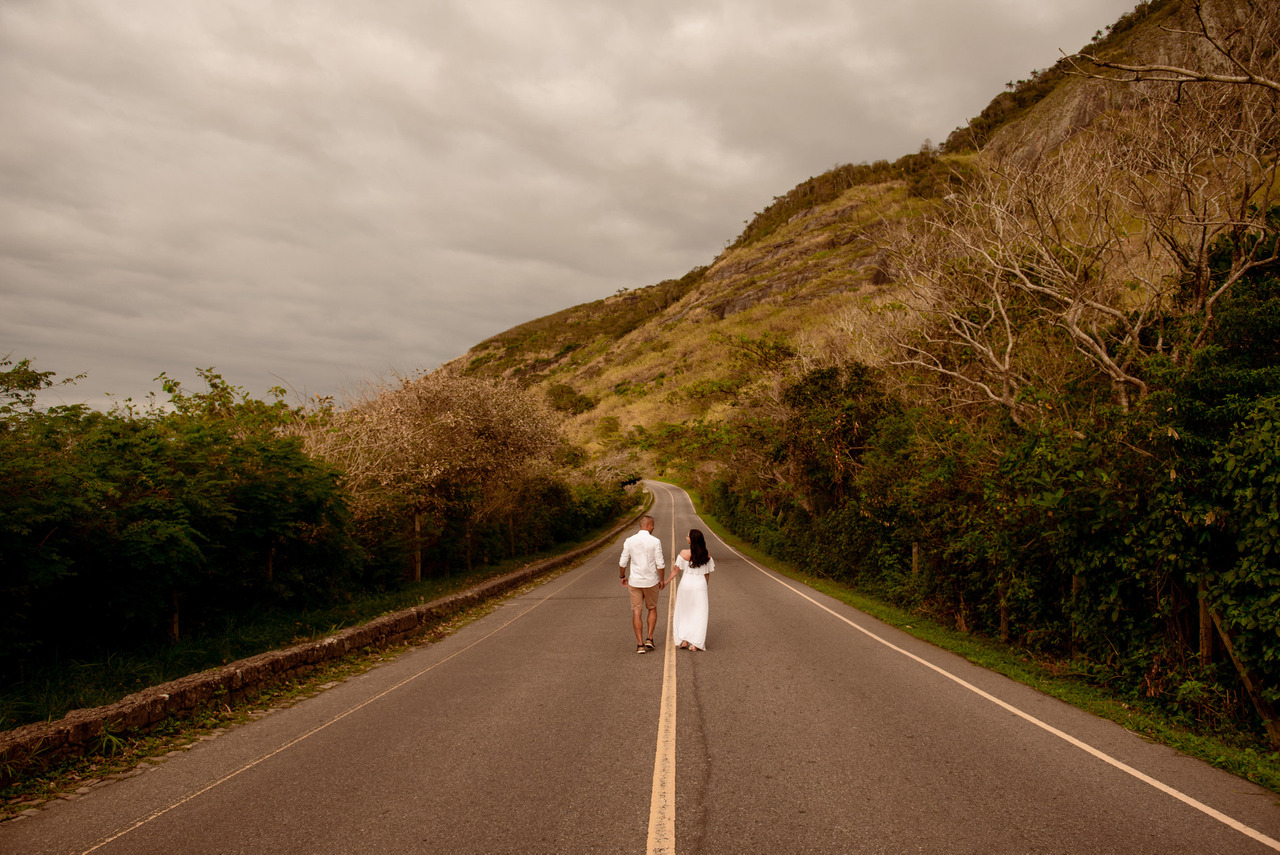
623	580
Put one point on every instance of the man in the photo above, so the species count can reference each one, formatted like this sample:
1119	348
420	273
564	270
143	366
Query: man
642	552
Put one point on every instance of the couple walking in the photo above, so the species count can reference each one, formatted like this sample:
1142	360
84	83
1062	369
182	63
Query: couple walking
642	553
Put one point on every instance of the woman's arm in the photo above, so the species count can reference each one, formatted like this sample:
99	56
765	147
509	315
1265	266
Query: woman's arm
675	565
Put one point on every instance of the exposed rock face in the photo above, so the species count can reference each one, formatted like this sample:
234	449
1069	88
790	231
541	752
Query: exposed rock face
822	251
1069	109
1164	37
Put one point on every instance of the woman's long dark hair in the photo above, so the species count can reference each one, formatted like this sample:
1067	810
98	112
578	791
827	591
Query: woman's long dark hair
698	554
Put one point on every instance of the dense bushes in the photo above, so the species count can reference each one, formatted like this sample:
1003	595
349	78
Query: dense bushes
1095	543
565	398
122	529
132	526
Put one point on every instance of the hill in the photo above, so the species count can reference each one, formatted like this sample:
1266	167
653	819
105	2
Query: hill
685	349
810	270
1026	383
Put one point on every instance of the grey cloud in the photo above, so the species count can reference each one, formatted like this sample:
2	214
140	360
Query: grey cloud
309	192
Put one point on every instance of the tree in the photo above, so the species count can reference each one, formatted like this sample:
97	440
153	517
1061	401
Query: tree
20	385
214	501
41	497
1199	152
439	446
1030	262
141	523
1198	171
1241	46
1104	239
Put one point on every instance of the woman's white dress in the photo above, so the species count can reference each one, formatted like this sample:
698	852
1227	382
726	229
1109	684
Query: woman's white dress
689	623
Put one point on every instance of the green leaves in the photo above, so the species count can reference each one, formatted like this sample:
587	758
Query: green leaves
121	529
111	521
1088	545
19	386
1248	591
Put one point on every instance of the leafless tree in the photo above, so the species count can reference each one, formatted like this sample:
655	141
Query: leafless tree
1199	170
1239	42
1157	208
1205	162
1032	259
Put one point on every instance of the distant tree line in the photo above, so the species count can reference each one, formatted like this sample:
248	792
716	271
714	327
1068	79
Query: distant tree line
534	349
130	527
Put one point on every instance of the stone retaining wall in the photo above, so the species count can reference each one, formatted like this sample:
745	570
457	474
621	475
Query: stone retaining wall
28	749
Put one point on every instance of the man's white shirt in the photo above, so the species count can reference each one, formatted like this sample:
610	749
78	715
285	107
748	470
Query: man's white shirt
642	552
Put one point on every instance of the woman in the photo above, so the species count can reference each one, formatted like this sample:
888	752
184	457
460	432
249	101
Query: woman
689	623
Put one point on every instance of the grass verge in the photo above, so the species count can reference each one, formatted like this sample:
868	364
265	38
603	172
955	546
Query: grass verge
1244	754
50	690
116	757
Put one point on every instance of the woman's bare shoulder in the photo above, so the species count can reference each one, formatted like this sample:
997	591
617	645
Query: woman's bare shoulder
686	554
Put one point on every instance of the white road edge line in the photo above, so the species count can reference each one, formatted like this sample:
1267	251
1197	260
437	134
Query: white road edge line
662	799
1089	749
245	768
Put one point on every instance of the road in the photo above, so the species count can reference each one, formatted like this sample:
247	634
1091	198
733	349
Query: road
805	727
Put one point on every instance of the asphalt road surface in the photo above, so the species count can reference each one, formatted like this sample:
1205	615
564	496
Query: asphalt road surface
805	727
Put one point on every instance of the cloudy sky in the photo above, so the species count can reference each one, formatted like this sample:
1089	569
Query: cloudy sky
313	192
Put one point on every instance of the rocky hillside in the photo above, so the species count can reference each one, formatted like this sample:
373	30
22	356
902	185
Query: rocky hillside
684	349
807	275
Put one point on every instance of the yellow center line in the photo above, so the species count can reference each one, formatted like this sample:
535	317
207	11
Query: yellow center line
662	800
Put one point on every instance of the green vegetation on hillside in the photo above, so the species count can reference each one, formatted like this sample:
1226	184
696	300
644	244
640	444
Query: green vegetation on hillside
924	174
537	348
1116	549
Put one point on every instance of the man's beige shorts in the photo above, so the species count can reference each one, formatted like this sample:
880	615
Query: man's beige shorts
643	596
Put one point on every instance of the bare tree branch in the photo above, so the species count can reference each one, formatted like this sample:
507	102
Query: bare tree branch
1243	52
